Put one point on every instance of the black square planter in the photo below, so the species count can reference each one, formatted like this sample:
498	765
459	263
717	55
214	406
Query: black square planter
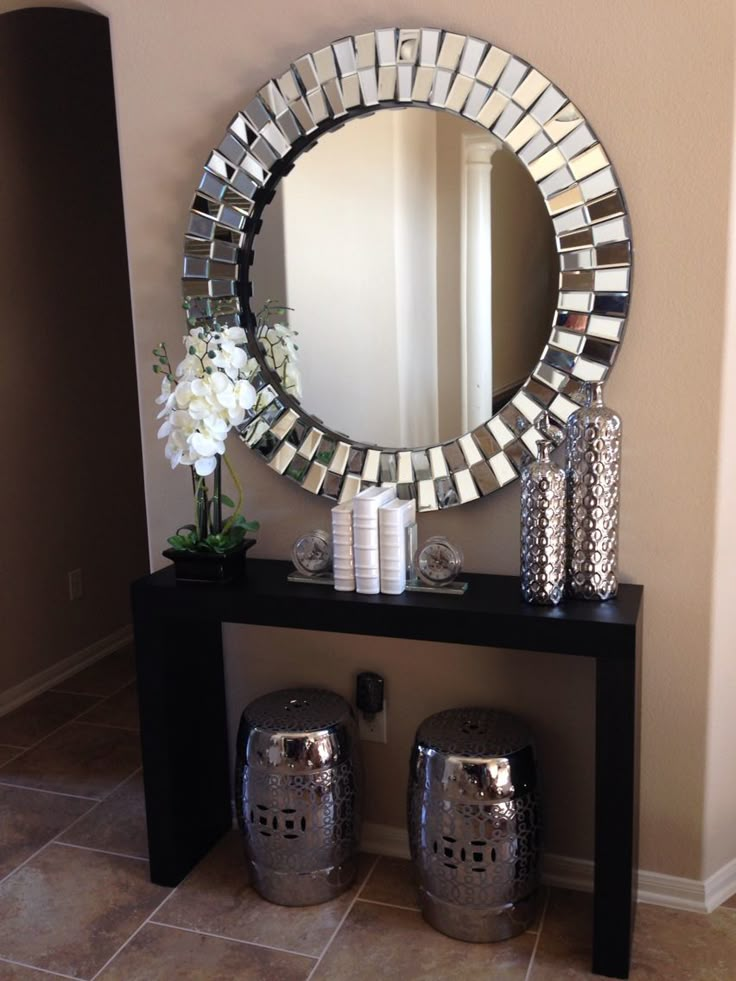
210	567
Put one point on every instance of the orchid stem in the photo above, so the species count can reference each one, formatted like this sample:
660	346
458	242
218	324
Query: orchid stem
239	489
200	508
216	499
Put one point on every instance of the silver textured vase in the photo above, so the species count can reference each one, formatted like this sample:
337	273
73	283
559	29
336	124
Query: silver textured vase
593	475
543	529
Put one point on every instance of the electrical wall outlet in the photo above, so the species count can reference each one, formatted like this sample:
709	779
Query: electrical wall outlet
372	728
75	584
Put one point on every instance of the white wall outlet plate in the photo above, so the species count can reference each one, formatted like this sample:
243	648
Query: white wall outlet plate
373	730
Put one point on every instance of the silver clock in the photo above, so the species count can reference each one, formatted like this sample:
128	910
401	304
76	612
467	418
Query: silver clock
312	553
438	561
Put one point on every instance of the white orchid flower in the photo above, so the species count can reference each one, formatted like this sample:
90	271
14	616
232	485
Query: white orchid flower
210	390
230	358
203	444
166	398
177	449
205	465
292	380
193	340
279	336
234	334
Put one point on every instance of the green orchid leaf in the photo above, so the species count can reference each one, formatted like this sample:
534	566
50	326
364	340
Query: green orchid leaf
227	501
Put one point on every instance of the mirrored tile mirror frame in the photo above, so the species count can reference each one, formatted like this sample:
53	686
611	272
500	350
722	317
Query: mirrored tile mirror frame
394	68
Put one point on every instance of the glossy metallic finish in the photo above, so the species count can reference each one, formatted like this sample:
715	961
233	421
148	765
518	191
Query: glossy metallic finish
298	795
468	77
543	536
474	824
593	477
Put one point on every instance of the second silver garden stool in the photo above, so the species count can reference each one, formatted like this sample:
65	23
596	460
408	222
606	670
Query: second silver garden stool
297	792
474	824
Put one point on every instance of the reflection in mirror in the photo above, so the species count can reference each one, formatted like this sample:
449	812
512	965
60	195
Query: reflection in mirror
419	261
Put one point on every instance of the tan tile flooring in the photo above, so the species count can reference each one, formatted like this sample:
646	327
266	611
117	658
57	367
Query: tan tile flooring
76	902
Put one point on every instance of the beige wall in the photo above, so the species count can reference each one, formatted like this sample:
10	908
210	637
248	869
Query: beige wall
720	811
72	481
655	80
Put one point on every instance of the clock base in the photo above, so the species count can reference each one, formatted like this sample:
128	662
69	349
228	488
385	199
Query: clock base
322	579
454	588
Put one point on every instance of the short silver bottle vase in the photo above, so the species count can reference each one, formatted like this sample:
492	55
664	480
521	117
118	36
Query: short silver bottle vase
543	529
593	475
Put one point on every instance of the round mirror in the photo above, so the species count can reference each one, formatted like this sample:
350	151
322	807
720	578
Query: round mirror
456	270
419	268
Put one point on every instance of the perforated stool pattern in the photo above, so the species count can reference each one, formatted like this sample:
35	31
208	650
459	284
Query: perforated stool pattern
298	788
474	823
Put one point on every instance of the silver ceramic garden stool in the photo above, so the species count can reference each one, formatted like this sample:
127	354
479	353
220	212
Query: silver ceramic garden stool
474	824
297	794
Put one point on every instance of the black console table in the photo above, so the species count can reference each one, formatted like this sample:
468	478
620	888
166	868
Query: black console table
182	702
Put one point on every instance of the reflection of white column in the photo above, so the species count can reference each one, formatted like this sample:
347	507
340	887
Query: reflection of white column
477	360
415	250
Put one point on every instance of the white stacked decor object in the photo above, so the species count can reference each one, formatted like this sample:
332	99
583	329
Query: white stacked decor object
365	536
397	543
343	564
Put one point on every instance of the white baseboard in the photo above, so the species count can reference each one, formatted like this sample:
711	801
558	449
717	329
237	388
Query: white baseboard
53	676
567	873
381	839
720	886
654	888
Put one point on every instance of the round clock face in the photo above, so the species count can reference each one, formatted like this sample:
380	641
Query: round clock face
438	561
312	553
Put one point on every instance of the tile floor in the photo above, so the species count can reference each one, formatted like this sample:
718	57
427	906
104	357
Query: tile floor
76	902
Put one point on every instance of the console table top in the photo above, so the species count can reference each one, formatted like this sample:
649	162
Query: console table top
490	614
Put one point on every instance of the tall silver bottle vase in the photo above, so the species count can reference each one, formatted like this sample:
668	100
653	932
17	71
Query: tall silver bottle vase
593	475
543	529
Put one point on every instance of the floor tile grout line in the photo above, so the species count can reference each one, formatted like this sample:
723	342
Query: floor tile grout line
73	718
43	970
344	917
98	801
378	902
135	933
43	790
103	698
24	862
406	909
237	940
106	725
151	915
530	966
100	851
68	828
369	875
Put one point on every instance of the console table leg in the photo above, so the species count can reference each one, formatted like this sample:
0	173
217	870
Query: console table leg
616	818
183	739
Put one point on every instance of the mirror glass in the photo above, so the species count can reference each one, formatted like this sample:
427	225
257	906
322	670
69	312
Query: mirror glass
419	263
